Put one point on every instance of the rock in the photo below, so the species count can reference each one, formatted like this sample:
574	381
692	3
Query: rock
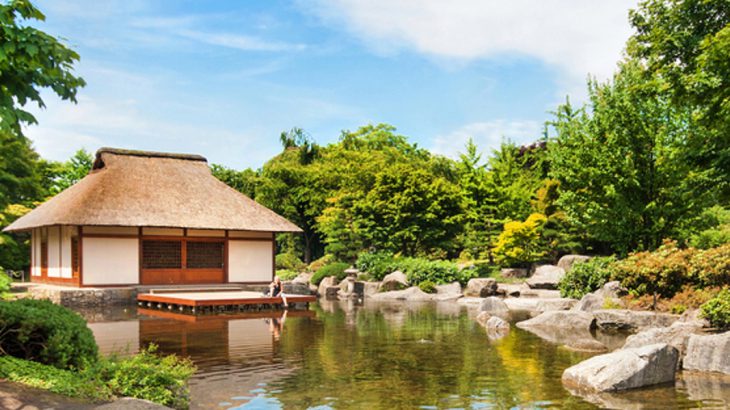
482	318
509	289
496	323
631	320
470	301
494	306
624	369
451	291
567	261
708	353
694	316
326	283
544	305
295	288
351	289
589	302
331	292
675	335
370	288
566	319
577	339
394	281
522	304
546	277
413	293
610	292
303	277
514	273
611	289
526	292
481	287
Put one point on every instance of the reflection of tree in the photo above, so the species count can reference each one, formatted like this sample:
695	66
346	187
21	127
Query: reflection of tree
412	358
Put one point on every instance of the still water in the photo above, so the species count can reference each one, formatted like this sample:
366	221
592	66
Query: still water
378	356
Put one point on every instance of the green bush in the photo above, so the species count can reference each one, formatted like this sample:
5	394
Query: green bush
519	243
5	283
376	264
44	332
427	286
286	274
586	277
289	261
149	376
663	272
61	381
711	267
717	309
324	260
333	269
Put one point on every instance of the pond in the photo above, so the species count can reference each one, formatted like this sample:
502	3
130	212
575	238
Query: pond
390	356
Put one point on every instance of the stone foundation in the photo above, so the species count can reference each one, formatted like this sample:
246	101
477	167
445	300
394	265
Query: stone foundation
84	297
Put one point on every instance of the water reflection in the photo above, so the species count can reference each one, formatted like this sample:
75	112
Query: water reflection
345	355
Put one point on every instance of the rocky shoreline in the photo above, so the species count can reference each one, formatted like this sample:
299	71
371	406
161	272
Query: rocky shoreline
659	346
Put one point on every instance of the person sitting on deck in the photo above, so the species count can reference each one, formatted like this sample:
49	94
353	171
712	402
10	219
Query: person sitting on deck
275	289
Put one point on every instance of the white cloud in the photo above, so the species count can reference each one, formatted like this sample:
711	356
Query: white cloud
576	36
487	136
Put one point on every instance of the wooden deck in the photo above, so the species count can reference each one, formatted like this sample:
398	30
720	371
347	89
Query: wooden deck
217	300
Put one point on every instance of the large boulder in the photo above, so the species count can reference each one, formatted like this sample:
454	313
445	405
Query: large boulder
303	277
514	273
624	369
394	281
610	292
567	261
295	288
675	335
544	305
565	319
413	293
494	306
546	277
327	282
451	291
612	320
708	353
370	288
481	287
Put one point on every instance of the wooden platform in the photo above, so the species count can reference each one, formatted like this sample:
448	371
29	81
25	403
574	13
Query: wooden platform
207	299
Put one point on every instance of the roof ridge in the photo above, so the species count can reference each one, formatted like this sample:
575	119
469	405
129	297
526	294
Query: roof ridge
151	154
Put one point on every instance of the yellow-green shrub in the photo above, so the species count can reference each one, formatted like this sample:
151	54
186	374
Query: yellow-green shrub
519	242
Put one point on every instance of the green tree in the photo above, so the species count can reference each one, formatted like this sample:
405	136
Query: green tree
625	175
59	176
244	181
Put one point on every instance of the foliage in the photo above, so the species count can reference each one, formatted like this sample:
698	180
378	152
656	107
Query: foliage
30	60
289	261
417	270
61	381
149	376
586	277
711	267
518	244
625	175
712	228
427	286
44	332
336	269
663	272
286	274
717	309
324	260
376	264
244	181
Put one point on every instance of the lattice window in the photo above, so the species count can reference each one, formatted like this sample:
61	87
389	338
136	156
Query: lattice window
161	254
204	255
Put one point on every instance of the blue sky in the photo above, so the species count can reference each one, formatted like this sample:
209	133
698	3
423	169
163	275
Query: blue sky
224	78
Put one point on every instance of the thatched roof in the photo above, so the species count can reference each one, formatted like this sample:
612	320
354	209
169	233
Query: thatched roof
139	188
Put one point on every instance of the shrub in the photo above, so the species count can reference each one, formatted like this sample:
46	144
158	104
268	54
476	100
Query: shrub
586	277
5	283
286	274
519	243
325	260
42	331
42	376
711	267
717	309
336	269
149	376
662	272
376	264
427	286
289	261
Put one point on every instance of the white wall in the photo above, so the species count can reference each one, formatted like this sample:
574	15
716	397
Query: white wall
35	243
54	251
110	261
250	261
66	233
